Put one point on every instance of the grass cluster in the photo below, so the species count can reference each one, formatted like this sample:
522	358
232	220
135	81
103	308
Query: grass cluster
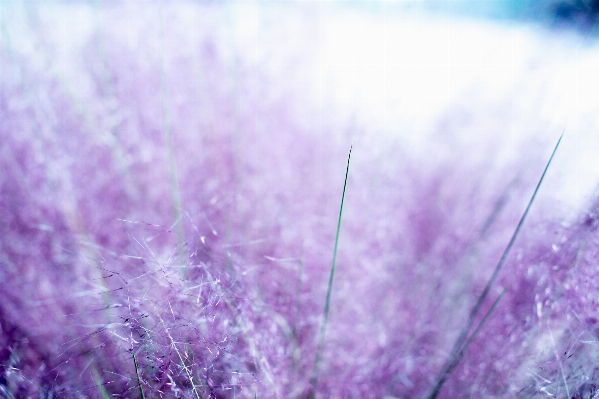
168	219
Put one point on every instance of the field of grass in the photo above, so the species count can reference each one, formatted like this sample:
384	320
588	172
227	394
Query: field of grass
180	216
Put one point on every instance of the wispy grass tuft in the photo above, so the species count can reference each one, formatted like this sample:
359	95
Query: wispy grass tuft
181	359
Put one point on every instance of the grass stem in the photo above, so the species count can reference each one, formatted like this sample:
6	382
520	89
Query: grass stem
460	344
141	391
327	304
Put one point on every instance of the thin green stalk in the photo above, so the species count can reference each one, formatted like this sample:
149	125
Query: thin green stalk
141	391
327	304
464	348
100	384
459	345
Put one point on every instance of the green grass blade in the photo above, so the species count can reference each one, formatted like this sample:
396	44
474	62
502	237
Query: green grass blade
459	345
100	384
456	360
327	304
464	348
141	391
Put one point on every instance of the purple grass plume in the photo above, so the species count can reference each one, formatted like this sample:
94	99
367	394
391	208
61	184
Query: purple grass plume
169	210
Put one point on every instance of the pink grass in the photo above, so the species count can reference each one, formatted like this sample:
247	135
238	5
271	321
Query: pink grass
168	211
